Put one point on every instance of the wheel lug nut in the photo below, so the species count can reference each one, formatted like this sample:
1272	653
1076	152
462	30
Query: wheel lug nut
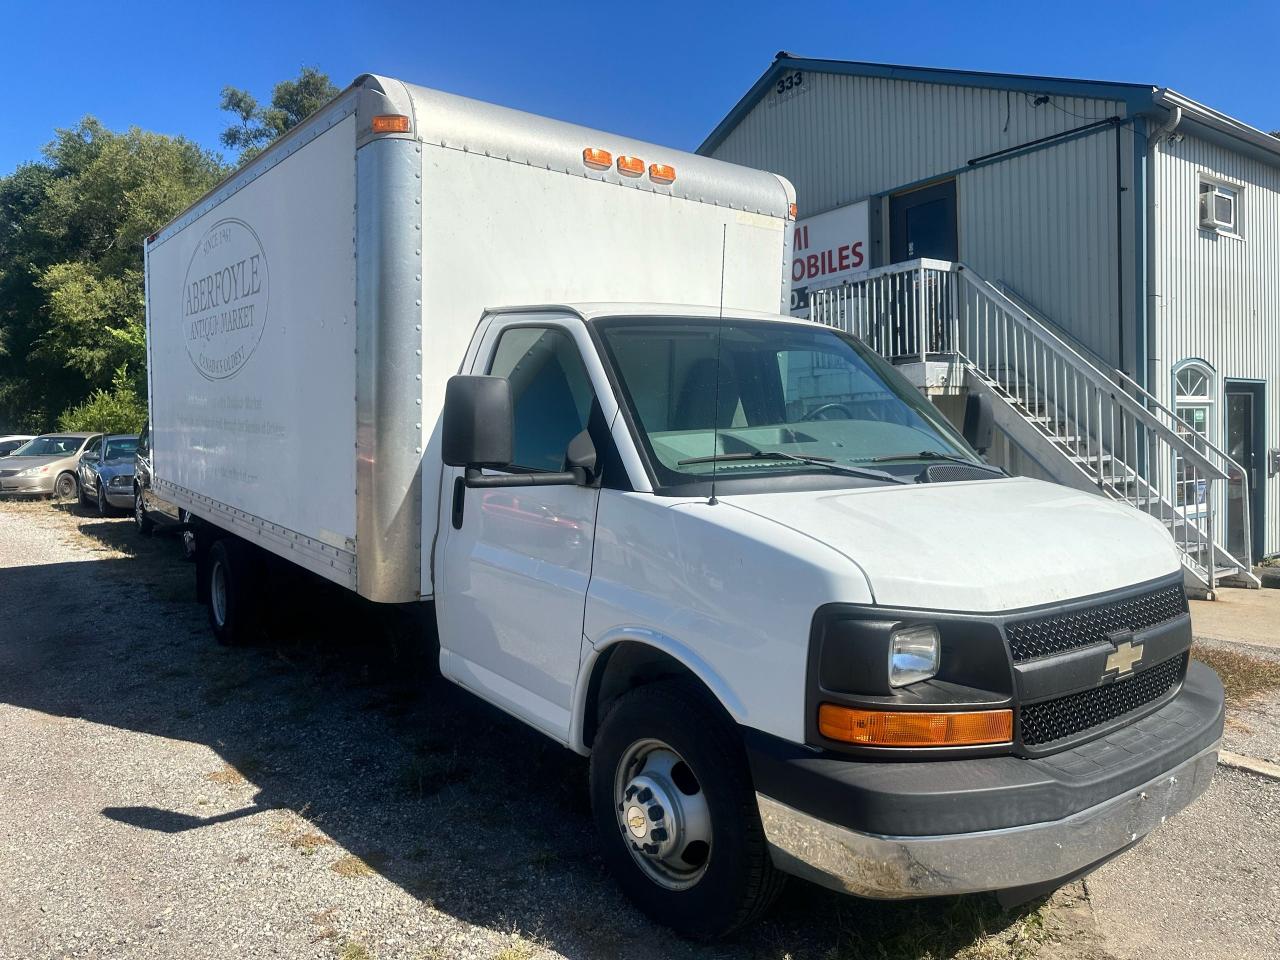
656	812
645	795
659	834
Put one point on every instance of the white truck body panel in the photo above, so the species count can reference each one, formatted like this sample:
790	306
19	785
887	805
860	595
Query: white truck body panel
252	375
301	411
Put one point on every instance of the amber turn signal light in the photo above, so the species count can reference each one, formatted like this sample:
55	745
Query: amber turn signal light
390	123
892	728
661	173
631	166
597	158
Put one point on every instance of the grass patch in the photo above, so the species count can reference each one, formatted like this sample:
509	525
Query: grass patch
309	843
354	950
1243	677
228	775
516	951
352	866
957	928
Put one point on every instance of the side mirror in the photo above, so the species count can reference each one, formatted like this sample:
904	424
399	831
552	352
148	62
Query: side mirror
580	458
478	426
979	421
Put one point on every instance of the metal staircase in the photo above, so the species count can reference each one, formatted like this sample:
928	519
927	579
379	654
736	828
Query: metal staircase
1088	428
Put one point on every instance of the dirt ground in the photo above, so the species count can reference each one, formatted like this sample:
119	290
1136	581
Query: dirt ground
316	795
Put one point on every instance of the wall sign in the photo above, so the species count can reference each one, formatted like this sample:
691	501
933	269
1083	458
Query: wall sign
828	249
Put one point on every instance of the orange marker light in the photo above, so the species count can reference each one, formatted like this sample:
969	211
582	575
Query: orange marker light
599	159
631	166
890	728
791	211
390	123
661	173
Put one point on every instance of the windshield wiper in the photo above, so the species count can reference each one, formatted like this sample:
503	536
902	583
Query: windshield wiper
935	455
828	462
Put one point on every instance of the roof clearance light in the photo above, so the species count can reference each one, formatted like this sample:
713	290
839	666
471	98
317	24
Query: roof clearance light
597	159
631	166
661	173
791	212
390	123
889	728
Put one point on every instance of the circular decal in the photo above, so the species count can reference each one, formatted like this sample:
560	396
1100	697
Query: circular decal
224	299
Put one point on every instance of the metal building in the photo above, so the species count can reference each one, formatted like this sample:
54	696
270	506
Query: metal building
1100	259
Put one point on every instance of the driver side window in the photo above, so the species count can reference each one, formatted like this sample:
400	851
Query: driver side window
551	393
94	447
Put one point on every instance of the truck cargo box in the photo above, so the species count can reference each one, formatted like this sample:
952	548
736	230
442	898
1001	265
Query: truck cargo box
304	316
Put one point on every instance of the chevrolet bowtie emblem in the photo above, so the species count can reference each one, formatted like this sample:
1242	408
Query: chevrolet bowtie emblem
1125	655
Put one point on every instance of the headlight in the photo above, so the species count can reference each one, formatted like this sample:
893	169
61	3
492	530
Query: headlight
913	655
32	471
120	481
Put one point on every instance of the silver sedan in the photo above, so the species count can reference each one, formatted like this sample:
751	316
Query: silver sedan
106	473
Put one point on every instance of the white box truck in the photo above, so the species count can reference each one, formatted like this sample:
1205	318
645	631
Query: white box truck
533	376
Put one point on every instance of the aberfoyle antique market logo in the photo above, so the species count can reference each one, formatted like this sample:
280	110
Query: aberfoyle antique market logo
224	299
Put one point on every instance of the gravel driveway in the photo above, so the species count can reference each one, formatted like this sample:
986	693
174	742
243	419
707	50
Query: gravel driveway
315	796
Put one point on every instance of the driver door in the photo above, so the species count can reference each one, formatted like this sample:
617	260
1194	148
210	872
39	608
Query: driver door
512	573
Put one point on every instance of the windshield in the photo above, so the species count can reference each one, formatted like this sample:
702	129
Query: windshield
49	447
120	447
806	392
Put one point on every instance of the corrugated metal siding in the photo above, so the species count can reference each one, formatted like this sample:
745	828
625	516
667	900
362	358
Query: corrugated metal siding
1217	297
1044	223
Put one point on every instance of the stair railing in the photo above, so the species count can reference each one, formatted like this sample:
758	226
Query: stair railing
1114	433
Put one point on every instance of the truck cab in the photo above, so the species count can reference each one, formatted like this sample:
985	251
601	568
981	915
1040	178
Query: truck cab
795	619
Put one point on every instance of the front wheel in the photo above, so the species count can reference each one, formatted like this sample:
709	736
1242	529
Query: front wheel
65	487
140	519
673	801
103	507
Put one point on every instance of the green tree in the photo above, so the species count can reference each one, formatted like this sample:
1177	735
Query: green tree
72	229
118	410
292	101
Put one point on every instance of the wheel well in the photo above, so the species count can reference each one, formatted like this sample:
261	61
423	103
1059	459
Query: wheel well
621	669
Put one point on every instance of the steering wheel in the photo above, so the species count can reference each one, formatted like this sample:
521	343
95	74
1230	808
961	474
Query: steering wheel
817	412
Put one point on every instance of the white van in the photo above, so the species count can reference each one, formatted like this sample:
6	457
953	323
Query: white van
533	375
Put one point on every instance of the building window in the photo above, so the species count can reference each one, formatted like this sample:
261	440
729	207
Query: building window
1219	207
1193	398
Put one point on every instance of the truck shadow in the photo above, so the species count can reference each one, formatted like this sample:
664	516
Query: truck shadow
334	716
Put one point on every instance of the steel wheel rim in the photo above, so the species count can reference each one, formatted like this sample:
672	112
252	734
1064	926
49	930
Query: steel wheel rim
662	814
64	487
218	593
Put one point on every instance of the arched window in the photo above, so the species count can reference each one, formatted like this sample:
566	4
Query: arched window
1194	393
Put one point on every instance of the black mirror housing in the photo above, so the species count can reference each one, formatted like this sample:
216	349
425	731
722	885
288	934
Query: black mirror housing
979	422
478	426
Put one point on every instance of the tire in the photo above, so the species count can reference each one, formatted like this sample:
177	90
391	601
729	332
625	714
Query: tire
143	523
104	509
66	487
703	892
234	579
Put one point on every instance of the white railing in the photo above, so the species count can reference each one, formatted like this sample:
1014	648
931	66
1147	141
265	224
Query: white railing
1106	427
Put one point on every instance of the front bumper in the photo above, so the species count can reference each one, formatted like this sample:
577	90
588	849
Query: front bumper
892	830
19	486
123	499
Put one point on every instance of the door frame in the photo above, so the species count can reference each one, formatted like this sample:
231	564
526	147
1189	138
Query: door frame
1257	389
901	201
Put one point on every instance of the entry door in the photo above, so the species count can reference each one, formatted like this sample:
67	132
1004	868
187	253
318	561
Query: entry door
922	223
1245	446
513	571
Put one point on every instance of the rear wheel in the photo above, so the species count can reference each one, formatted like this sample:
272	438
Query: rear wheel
673	801
140	519
65	487
84	501
234	577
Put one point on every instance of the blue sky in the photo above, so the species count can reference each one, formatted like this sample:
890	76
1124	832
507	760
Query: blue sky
655	69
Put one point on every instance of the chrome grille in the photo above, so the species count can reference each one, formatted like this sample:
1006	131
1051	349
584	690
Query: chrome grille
1044	636
1066	716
